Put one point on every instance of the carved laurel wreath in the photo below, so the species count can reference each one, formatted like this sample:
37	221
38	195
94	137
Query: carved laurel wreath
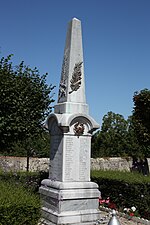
76	77
78	128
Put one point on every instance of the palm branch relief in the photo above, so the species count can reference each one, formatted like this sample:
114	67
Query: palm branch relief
76	78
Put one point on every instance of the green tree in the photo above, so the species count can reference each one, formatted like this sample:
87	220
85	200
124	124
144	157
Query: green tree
112	139
132	144
25	102
141	120
96	144
39	147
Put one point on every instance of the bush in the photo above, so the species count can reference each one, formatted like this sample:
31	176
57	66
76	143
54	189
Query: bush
17	205
125	189
29	180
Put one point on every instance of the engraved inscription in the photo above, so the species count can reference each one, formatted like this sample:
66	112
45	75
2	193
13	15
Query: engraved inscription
55	141
69	159
84	159
56	158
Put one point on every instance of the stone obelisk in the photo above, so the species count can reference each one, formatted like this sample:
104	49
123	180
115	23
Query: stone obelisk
68	196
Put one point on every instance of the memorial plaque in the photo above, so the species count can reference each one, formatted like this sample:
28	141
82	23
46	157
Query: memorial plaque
56	158
70	159
84	159
77	158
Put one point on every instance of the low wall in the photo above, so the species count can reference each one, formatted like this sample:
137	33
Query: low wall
20	164
114	163
42	164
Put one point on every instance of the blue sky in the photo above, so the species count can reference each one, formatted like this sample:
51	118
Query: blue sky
116	41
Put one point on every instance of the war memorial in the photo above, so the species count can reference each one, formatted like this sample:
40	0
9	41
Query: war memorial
68	196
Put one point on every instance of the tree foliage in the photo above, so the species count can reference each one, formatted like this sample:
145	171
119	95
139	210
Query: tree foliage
25	102
132	145
116	137
141	119
120	137
38	146
111	140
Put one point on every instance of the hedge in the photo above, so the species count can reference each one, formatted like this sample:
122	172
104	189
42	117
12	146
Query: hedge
17	205
125	189
29	180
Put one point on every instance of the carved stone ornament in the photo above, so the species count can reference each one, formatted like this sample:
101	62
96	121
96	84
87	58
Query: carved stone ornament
76	78
78	128
64	77
62	90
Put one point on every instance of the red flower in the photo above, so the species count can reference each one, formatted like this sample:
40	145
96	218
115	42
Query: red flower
101	201
112	205
107	200
131	214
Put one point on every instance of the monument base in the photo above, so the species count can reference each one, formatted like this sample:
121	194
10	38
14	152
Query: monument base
72	203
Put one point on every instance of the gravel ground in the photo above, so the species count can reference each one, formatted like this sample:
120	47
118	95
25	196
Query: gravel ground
105	217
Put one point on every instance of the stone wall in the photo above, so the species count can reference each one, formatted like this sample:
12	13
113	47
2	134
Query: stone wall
115	163
42	164
19	164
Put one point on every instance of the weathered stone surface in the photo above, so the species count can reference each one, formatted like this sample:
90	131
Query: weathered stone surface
19	164
114	163
71	97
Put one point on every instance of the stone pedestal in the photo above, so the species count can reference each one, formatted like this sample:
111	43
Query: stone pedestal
69	202
68	196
